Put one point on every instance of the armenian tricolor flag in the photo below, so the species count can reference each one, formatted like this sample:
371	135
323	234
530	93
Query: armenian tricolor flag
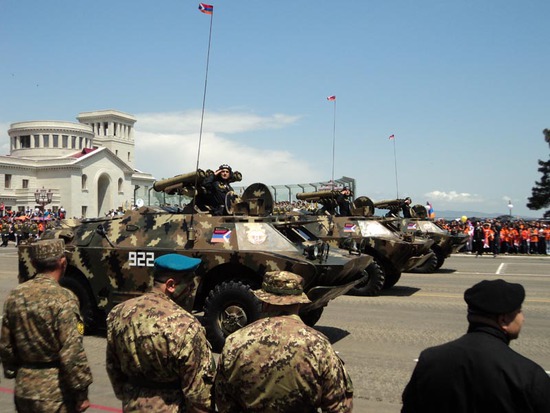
221	235
206	8
349	227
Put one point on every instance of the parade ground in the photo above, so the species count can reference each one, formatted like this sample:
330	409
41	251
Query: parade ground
379	338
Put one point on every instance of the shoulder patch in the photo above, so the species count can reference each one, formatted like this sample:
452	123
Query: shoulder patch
80	327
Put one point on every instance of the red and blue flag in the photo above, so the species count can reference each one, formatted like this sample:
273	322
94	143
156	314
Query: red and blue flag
349	227
221	235
206	8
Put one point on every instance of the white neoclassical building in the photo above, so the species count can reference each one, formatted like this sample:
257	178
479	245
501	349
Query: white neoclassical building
88	166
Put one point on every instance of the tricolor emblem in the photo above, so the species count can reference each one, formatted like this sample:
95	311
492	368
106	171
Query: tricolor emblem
221	235
349	227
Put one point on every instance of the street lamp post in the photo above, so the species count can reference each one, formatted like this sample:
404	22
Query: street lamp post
43	197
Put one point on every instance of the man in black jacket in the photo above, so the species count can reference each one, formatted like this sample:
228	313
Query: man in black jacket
479	372
218	186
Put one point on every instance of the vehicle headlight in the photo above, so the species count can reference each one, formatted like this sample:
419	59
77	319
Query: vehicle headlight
311	251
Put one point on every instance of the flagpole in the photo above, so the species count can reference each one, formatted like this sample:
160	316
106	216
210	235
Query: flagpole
333	142
191	230
204	92
395	164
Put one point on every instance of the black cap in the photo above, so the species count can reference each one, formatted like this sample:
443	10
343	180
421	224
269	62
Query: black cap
225	166
494	297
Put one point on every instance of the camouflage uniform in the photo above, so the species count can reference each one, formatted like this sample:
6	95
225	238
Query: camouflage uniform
158	359
41	345
5	233
278	364
18	233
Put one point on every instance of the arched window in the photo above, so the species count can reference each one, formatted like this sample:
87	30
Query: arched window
120	182
84	181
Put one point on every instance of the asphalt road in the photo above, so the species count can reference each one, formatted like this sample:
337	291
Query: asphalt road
379	338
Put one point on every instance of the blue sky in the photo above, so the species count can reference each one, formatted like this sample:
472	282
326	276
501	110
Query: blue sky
463	86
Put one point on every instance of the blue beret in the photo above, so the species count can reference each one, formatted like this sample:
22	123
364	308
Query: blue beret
494	297
176	263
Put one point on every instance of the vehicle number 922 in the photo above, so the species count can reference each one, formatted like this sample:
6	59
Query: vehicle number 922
141	259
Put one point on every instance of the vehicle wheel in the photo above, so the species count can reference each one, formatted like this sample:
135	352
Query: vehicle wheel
88	309
391	279
440	260
373	284
229	307
429	266
310	318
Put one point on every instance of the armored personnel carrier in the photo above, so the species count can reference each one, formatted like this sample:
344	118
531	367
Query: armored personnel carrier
392	251
445	243
110	259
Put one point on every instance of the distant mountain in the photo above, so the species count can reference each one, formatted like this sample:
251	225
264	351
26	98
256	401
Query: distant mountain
470	214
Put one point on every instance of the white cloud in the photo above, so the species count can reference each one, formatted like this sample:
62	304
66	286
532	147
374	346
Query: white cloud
453	196
214	122
5	142
167	145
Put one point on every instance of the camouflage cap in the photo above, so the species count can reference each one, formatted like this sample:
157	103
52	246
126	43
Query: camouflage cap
47	249
282	288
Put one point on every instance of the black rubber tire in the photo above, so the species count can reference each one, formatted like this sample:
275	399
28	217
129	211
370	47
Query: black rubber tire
374	283
440	259
391	279
310	318
229	307
88	308
429	266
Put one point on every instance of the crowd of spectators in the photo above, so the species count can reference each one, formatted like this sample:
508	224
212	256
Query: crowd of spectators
294	206
502	237
18	226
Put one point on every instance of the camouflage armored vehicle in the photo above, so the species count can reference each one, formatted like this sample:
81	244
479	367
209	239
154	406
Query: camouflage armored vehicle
392	251
110	260
445	242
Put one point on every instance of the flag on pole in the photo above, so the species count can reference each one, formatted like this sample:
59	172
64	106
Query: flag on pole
206	8
331	97
392	137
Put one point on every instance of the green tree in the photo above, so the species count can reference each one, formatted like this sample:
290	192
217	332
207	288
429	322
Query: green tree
540	197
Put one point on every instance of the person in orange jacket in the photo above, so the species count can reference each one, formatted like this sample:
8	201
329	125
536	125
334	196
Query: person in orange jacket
525	237
546	237
489	237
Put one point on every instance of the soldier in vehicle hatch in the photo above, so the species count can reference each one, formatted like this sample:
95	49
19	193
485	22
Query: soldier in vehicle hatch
217	187
406	207
344	202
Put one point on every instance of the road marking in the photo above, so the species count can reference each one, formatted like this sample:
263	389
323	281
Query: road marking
501	267
440	295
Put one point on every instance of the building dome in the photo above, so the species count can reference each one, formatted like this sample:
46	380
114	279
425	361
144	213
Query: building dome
48	139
